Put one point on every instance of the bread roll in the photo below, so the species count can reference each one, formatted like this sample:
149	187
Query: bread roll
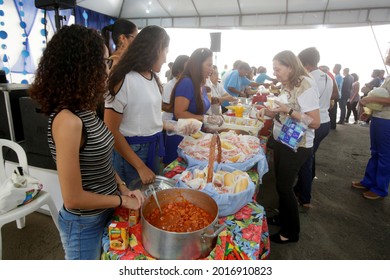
227	145
197	135
238	172
241	185
218	180
228	179
199	174
234	158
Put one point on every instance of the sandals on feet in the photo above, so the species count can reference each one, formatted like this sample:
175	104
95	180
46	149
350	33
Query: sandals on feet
278	239
371	195
357	185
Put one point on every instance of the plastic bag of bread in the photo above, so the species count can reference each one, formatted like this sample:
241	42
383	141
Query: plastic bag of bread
230	188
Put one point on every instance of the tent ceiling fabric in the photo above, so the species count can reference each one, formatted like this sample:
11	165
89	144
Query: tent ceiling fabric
245	14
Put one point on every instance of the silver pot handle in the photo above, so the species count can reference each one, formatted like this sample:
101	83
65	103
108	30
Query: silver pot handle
217	232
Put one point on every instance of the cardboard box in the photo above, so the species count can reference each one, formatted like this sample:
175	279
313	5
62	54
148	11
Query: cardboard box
133	217
118	233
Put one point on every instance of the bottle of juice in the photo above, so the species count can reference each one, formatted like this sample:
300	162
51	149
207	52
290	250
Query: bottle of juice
239	110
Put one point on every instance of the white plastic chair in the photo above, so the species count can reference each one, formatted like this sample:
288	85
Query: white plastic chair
43	198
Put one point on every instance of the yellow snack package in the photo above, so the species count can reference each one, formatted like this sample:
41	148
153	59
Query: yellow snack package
118	233
133	217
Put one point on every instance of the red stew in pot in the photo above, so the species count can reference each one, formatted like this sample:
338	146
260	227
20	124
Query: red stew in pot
180	216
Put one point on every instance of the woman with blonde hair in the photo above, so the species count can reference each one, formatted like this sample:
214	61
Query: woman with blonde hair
303	103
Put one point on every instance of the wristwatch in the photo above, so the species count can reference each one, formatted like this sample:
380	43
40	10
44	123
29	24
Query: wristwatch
290	112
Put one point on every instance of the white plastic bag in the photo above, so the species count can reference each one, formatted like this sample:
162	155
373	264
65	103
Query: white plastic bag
18	190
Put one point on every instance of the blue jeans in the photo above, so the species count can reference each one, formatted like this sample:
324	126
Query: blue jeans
125	170
343	109
81	236
307	172
377	176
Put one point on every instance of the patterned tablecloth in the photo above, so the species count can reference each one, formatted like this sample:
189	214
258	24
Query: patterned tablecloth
246	236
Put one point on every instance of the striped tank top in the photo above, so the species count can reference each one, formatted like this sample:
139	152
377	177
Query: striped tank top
97	172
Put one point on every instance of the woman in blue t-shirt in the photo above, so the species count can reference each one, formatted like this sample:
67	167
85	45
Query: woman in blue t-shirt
189	97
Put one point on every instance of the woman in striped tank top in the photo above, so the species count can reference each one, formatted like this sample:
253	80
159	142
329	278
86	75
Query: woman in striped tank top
70	81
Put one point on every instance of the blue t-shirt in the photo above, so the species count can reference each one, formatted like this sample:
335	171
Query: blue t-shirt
185	88
262	77
237	82
339	81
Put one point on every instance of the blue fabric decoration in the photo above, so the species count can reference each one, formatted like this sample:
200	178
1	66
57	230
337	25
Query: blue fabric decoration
92	19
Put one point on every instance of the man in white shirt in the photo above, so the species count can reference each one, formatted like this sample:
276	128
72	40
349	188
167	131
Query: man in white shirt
217	90
310	58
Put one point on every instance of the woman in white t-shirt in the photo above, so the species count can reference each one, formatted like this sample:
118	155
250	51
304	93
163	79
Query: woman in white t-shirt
303	102
177	69
133	106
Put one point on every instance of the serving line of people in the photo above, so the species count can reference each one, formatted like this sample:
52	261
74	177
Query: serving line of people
95	175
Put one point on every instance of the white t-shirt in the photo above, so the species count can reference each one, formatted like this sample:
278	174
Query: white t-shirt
325	88
217	90
139	100
166	97
302	99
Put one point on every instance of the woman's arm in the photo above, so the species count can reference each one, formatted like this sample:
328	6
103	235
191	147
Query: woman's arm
355	91
314	115
67	135
181	109
113	121
372	99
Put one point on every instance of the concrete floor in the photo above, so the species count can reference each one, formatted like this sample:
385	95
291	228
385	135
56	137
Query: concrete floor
341	226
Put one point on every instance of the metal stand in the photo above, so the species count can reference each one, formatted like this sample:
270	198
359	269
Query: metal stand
58	18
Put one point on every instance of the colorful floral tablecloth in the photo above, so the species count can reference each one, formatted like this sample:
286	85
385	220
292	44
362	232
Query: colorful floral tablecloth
245	238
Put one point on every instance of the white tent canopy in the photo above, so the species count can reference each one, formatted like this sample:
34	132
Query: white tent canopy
245	14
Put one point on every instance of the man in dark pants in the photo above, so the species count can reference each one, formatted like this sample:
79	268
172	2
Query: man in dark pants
339	81
345	94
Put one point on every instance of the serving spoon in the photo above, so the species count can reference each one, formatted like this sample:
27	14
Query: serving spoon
151	188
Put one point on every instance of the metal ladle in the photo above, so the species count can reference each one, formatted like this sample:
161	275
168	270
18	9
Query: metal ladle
151	188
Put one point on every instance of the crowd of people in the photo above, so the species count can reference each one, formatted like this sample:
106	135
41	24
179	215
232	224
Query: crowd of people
99	156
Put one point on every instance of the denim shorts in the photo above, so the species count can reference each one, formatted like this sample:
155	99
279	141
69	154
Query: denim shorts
81	236
125	170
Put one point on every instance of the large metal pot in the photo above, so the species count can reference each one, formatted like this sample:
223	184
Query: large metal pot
167	245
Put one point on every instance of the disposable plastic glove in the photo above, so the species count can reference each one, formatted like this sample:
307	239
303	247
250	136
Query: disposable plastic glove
213	119
182	127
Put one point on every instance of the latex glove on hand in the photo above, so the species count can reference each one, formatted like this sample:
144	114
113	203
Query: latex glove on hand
213	119
260	114
182	127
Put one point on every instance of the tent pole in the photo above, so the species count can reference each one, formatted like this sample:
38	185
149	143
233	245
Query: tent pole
379	49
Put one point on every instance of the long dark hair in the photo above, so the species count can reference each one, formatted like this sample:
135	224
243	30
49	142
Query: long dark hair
178	65
194	71
120	27
141	55
71	73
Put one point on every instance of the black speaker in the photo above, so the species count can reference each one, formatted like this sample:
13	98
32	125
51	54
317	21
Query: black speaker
215	41
55	4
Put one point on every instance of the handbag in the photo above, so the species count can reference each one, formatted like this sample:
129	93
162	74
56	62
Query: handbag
19	189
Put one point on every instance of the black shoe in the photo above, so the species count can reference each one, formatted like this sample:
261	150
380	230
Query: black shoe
276	239
340	122
273	221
